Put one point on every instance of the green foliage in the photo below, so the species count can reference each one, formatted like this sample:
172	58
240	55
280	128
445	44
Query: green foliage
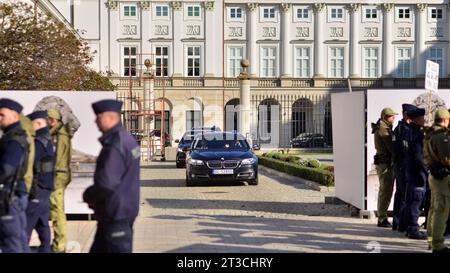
323	177
40	53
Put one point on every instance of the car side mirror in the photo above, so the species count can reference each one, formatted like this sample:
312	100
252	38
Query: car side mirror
256	147
177	141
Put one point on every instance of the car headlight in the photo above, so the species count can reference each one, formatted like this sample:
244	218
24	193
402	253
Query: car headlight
179	150
195	162
248	161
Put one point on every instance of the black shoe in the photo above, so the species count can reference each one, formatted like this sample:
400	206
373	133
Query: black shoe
417	236
384	224
445	250
394	227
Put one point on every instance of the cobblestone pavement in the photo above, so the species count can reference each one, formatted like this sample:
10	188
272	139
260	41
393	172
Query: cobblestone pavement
278	215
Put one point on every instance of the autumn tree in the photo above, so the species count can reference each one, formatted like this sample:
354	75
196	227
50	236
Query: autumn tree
37	52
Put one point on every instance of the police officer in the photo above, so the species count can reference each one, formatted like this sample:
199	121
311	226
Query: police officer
437	156
415	176
401	140
14	149
114	197
38	211
383	136
62	142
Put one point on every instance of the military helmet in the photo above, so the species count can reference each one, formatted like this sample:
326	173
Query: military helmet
388	112
54	113
442	113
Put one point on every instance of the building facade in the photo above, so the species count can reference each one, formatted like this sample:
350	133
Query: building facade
299	52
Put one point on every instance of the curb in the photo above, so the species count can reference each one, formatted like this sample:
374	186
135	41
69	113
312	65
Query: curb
310	184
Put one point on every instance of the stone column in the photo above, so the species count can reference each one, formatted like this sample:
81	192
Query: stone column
251	37
244	104
178	50
114	47
421	19
210	37
286	67
355	56
388	49
320	56
149	93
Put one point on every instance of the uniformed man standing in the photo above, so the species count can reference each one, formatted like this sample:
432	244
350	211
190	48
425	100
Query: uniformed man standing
114	197
62	142
383	136
415	176
437	156
38	210
401	140
14	149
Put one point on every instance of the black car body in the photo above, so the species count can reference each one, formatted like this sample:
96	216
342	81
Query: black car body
308	140
221	156
186	141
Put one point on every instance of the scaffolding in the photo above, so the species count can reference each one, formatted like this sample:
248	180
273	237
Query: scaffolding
142	110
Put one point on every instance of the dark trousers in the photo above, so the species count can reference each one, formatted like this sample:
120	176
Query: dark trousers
12	227
427	204
113	237
38	213
399	200
414	200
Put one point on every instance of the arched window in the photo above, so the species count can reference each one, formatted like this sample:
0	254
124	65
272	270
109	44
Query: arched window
302	117
231	114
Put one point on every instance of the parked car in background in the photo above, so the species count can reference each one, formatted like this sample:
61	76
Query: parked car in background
308	140
221	156
186	141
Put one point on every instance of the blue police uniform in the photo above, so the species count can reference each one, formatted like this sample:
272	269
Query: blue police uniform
14	150
38	210
114	197
401	147
416	176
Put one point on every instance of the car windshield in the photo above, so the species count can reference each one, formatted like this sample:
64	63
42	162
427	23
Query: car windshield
212	141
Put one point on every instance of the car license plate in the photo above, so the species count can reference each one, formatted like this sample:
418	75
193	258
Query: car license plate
223	171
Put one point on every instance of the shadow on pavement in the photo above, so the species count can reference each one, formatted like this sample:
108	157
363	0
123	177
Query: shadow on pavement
256	234
296	208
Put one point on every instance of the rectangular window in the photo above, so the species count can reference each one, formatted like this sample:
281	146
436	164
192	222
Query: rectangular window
371	62
269	13
302	62
436	13
235	56
193	119
129	11
193	11
162	61
371	13
162	11
337	62
235	13
404	62
129	60
404	13
437	56
302	13
166	121
337	13
269	62
193	61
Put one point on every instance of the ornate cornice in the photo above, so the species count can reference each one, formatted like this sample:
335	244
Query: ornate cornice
110	4
252	6
176	5
319	7
208	5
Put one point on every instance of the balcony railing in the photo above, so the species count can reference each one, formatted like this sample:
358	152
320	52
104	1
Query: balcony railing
193	82
269	82
371	83
302	83
231	82
405	83
336	83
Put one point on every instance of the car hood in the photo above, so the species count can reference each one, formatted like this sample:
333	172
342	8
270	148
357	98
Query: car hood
219	154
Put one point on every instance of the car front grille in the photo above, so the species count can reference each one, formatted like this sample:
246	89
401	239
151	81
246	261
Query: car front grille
226	164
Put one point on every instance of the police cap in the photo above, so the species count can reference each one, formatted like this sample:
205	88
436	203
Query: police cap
107	106
38	114
11	104
416	112
406	107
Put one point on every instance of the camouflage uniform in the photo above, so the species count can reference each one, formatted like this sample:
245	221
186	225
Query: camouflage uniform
62	142
437	156
28	128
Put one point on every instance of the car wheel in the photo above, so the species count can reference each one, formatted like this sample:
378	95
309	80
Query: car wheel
189	182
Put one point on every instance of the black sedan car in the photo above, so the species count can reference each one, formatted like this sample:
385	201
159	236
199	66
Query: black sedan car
221	156
308	140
